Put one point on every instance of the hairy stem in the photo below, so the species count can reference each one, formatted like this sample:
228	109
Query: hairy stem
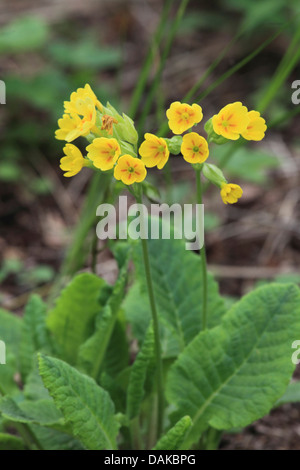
160	388
203	257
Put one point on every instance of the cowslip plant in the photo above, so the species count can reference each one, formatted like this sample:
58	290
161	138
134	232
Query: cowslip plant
73	379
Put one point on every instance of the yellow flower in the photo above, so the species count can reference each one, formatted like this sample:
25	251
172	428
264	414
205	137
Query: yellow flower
81	94
231	121
73	162
194	148
183	116
72	126
256	128
130	170
154	151
230	193
104	153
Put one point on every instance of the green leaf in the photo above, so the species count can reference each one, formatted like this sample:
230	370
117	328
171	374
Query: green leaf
108	336
72	320
247	163
10	330
9	442
175	436
291	395
135	391
86	406
85	54
9	172
23	34
138	314
177	282
53	439
231	375
117	354
42	412
34	388
34	335
10	333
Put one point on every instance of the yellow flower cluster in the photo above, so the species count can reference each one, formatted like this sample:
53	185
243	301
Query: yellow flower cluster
110	152
234	121
80	115
103	153
182	117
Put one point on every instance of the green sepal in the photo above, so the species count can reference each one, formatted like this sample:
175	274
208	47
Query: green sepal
212	136
213	174
174	144
151	191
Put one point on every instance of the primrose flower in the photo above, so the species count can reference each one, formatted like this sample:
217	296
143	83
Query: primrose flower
256	128
104	152
182	116
73	161
81	94
230	193
231	121
130	170
194	148
72	126
154	151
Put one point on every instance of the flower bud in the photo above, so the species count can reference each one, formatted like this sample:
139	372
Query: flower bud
174	144
213	174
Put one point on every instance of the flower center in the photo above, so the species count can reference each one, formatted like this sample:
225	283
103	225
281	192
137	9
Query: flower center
161	149
225	123
196	149
185	116
130	169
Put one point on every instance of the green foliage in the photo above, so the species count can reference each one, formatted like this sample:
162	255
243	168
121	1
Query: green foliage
53	439
175	436
177	292
291	395
71	321
247	163
86	53
9	172
34	335
135	391
107	343
23	34
9	442
41	412
225	377
245	362
86	406
10	332
10	266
